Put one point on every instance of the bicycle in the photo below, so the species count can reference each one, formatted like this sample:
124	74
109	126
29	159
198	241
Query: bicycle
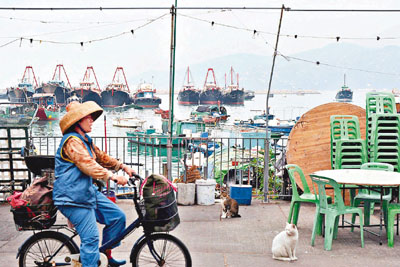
53	248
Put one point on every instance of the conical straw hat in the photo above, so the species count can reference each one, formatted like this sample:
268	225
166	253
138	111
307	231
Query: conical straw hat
77	111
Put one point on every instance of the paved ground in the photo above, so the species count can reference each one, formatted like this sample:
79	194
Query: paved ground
244	241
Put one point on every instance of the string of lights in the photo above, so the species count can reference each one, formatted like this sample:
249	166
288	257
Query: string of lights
334	66
257	33
295	36
79	29
81	43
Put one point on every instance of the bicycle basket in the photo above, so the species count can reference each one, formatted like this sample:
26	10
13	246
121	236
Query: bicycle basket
37	217
160	213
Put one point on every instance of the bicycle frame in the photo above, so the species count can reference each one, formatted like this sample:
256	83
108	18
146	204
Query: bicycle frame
111	243
132	227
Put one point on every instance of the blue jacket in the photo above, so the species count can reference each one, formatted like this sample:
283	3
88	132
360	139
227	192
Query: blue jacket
72	187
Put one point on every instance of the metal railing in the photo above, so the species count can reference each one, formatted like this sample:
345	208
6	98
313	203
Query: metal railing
227	160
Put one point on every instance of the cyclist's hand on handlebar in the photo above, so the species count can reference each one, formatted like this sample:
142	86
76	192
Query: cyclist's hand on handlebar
128	170
119	179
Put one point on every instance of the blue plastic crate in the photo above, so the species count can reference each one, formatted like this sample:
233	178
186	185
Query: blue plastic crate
241	193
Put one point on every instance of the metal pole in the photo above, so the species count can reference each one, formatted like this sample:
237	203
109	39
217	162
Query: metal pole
171	90
266	147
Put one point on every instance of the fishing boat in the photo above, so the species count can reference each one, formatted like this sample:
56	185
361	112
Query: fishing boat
209	112
117	92
145	96
164	113
188	95
345	94
25	88
56	86
48	109
89	89
181	128
233	95
132	122
211	93
249	95
17	114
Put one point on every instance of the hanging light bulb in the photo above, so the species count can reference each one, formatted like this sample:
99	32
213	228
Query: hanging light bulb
254	34
30	42
212	25
82	49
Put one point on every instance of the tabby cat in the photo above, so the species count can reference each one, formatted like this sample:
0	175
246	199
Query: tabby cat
229	206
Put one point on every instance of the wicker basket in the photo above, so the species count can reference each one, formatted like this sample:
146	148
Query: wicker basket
34	217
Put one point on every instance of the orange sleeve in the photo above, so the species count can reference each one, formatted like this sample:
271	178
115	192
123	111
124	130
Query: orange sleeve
75	151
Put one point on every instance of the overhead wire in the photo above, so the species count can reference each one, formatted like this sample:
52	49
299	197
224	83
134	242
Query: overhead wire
221	9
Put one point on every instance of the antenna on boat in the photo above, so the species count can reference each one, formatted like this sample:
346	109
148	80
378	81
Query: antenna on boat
344	79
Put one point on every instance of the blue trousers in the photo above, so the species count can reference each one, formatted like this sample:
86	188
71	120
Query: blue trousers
84	221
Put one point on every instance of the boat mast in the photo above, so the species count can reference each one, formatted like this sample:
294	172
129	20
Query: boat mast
26	72
212	71
86	77
59	67
188	71
123	74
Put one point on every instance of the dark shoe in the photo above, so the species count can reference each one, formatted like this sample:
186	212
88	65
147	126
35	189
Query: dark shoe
114	262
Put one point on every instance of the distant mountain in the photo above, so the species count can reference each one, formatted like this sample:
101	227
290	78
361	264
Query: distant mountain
364	68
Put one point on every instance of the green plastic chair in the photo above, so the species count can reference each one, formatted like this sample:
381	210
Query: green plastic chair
332	212
370	197
307	196
393	209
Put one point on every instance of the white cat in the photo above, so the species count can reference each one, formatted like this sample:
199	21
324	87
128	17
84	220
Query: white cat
284	244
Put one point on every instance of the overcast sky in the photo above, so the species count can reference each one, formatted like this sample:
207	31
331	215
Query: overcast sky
197	41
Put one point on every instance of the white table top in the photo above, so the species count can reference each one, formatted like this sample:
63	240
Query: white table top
361	177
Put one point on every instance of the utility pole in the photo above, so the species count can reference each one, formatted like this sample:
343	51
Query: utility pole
266	144
171	90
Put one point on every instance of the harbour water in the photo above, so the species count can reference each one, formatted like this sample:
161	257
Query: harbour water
284	107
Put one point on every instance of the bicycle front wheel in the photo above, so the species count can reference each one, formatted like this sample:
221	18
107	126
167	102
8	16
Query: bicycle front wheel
42	247
167	249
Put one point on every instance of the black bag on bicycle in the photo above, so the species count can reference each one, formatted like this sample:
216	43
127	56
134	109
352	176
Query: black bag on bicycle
160	207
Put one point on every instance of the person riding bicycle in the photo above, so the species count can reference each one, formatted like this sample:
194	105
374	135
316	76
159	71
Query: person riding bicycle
78	161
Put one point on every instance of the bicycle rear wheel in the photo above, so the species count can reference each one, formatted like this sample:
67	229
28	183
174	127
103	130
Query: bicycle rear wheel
170	251
44	246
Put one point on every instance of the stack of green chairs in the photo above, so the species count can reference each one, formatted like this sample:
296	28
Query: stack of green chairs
348	150
383	129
